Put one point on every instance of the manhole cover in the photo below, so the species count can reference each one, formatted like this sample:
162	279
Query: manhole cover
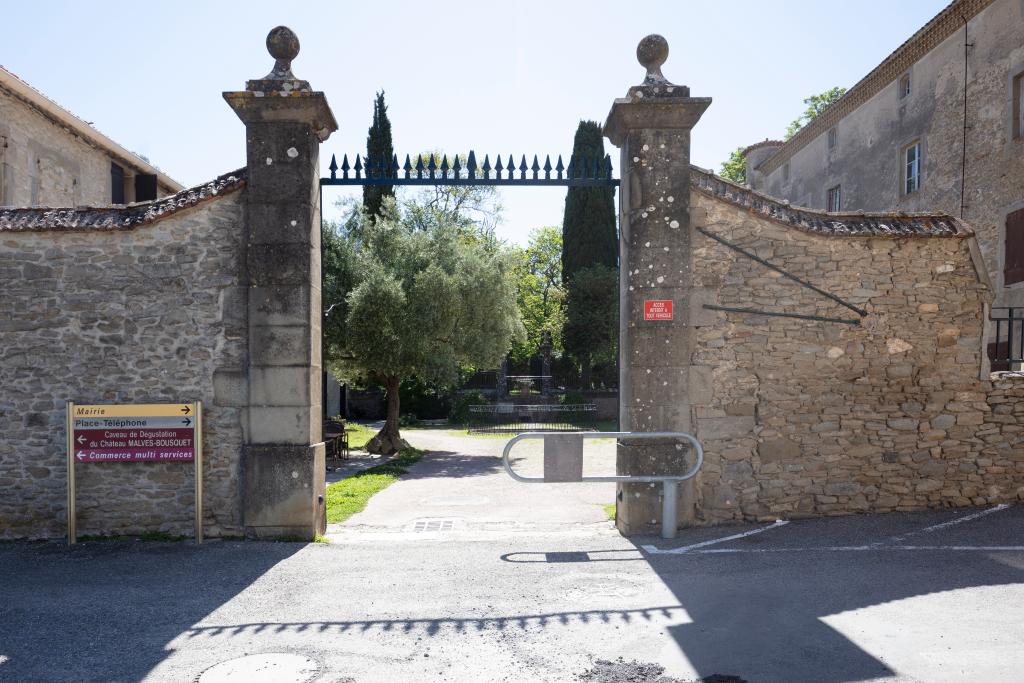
273	667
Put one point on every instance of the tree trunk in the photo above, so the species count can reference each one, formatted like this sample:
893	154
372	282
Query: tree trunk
388	440
585	369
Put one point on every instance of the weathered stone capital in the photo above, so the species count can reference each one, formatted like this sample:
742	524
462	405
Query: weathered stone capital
667	113
285	107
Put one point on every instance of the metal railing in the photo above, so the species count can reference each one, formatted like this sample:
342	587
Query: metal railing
509	418
1006	350
563	463
582	172
536	384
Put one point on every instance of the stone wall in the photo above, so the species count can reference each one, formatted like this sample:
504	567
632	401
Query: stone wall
804	417
135	305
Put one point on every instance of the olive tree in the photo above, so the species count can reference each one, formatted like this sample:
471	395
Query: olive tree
423	300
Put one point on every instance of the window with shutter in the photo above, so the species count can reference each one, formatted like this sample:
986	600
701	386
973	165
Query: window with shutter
1014	248
116	184
834	199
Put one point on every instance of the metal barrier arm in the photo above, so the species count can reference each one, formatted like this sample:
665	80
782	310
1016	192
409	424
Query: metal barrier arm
618	436
669	512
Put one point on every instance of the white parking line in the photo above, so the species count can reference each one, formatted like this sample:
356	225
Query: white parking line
689	548
857	548
945	525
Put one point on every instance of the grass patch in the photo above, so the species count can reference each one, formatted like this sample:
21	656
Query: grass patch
358	435
609	510
320	538
349	496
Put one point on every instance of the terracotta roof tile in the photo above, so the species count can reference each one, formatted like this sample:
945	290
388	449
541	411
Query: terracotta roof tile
110	218
819	222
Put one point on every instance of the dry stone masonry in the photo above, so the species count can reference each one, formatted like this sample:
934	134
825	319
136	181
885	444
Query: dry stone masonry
101	308
803	417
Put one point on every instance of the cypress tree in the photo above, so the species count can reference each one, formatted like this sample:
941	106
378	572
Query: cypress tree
589	237
378	146
590	251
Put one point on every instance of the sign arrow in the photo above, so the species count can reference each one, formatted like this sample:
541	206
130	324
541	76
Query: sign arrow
186	422
81	455
186	410
81	439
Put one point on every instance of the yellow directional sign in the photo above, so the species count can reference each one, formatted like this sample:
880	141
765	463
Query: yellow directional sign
135	410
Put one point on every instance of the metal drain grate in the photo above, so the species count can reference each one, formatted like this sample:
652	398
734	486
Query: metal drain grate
434	525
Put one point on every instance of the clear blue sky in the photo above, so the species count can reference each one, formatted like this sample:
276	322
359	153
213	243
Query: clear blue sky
510	77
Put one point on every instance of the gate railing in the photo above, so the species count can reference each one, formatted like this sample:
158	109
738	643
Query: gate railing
1006	350
509	418
584	172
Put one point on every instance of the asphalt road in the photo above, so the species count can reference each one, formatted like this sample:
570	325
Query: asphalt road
935	596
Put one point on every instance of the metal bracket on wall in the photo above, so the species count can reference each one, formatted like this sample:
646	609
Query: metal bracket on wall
800	281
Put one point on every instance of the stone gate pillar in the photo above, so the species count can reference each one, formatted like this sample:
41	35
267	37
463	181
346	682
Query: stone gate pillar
283	456
651	126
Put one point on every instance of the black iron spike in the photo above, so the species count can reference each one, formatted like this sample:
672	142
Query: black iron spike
394	166
608	166
498	168
333	167
419	166
487	166
456	166
407	167
559	167
523	168
547	167
511	166
570	171
471	165
431	165
345	167
536	167
359	166
444	166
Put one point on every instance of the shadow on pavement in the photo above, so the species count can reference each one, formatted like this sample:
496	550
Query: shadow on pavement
432	627
105	611
762	616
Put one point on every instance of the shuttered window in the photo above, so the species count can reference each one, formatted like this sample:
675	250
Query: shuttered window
834	199
1014	270
116	184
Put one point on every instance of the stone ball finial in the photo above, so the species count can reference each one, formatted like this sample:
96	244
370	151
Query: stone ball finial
651	52
283	46
282	43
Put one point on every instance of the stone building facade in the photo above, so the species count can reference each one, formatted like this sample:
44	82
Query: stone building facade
909	137
50	157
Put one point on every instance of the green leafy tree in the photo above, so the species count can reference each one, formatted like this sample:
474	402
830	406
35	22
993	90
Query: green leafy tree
815	105
592	318
589	234
735	167
423	302
539	293
378	146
